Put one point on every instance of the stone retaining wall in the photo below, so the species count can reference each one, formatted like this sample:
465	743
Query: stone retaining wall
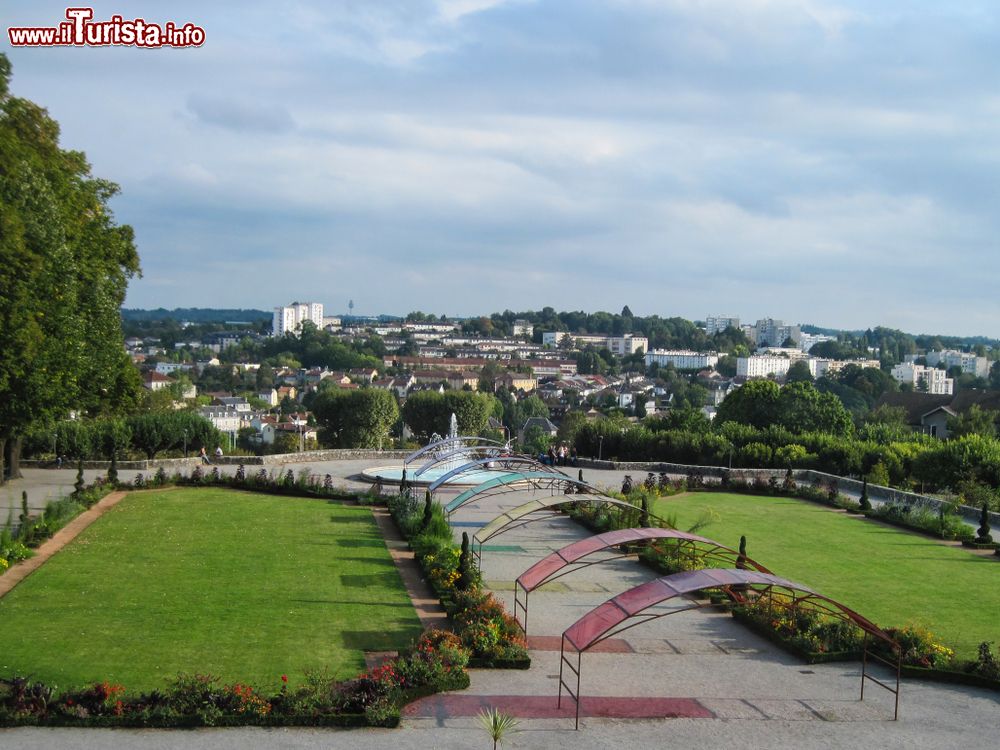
845	485
276	459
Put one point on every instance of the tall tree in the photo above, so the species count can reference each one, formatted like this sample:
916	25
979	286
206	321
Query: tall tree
64	268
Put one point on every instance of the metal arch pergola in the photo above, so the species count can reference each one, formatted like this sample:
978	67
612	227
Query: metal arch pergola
486	451
457	442
540	509
572	558
536	480
609	619
501	462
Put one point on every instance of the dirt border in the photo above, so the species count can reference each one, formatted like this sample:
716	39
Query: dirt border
427	605
60	539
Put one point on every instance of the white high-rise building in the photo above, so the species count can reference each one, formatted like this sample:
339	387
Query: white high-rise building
926	379
718	323
762	366
289	319
969	362
682	360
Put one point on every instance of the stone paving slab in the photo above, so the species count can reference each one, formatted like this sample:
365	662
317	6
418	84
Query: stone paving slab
554	643
450	705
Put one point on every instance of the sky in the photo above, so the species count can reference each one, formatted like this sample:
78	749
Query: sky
833	163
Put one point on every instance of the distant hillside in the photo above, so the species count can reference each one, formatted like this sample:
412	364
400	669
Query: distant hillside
195	315
920	340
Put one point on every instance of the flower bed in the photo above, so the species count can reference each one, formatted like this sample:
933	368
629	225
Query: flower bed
32	531
482	623
811	636
374	698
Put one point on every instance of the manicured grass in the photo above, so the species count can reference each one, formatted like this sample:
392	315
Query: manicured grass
244	586
888	575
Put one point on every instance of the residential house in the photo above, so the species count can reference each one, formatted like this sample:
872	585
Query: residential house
363	375
156	381
541	422
515	381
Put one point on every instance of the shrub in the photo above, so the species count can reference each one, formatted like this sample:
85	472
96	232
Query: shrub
919	647
79	484
986	664
983	535
864	503
160	478
113	470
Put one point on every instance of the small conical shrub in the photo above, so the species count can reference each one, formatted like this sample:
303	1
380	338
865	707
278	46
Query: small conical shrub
983	535
113	470
864	501
464	580
428	511
741	558
78	485
644	518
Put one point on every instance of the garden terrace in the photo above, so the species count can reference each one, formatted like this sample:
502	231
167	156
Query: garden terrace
243	586
895	577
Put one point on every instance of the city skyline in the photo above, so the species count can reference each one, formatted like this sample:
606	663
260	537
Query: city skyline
826	162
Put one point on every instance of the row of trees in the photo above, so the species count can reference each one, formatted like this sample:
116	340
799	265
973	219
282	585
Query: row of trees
104	438
367	417
761	425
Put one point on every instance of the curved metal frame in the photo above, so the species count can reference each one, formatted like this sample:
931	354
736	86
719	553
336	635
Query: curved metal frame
568	559
607	619
459	439
516	517
487	451
536	479
503	462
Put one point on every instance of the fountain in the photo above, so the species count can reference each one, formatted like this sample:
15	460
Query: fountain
441	456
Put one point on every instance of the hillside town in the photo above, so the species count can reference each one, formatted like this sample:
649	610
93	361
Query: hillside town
264	404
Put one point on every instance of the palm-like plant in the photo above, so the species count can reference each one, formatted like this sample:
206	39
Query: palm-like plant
497	724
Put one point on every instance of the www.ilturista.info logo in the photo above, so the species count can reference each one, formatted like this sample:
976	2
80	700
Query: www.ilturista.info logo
79	30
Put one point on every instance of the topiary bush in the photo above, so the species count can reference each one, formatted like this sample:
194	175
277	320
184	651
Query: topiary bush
864	503
983	535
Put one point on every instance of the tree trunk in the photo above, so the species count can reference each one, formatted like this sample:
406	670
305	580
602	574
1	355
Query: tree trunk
3	465
14	457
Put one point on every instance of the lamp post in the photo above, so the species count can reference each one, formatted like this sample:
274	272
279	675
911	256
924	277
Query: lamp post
185	442
600	446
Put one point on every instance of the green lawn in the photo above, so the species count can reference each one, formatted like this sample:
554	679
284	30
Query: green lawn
890	576
244	586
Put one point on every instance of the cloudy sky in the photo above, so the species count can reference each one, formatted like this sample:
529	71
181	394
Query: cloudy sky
819	161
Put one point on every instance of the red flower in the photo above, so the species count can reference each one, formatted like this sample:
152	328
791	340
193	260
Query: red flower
284	678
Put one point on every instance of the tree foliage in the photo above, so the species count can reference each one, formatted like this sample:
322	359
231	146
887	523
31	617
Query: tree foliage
797	407
64	268
428	412
355	418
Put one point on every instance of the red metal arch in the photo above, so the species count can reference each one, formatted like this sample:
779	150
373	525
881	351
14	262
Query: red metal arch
609	619
570	558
